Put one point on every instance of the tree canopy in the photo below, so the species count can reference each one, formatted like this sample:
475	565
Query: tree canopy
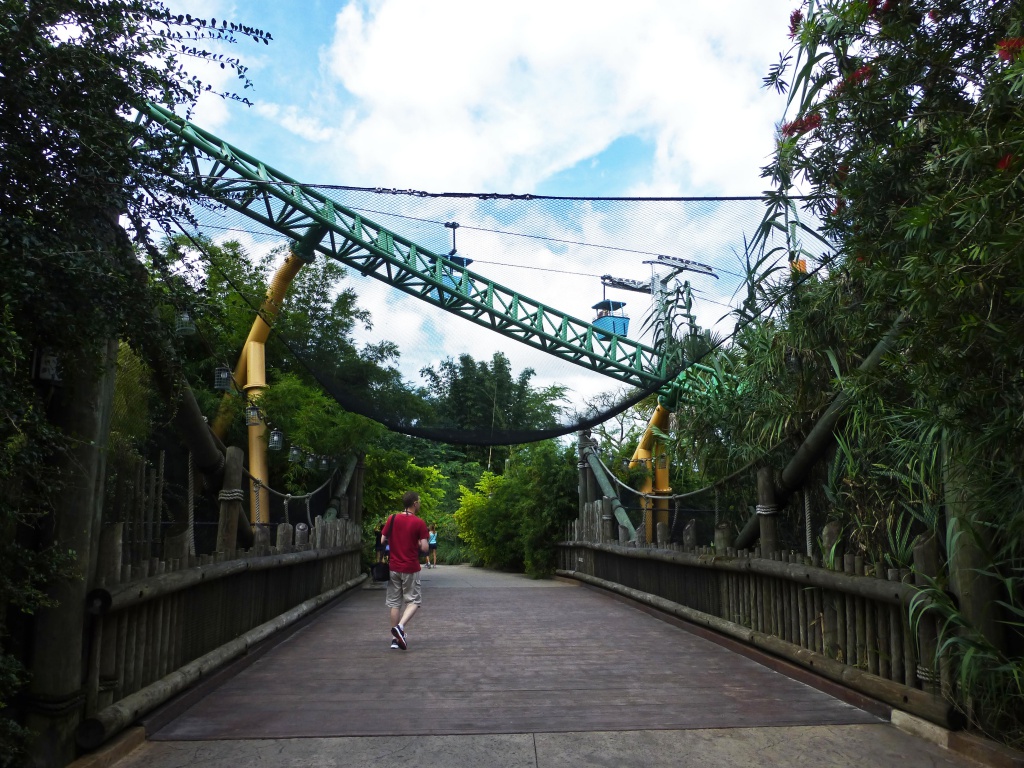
72	74
897	192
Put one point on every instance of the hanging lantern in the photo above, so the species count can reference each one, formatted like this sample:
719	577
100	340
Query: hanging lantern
310	461
294	454
184	325
222	378
276	440
324	464
252	416
46	366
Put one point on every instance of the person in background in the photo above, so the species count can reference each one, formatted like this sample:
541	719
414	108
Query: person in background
432	543
379	545
405	535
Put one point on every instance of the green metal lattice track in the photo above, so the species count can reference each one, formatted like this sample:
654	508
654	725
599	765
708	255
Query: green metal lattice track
239	181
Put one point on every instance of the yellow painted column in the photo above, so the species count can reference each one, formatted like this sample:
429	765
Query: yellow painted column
259	332
255	386
661	483
642	458
651	454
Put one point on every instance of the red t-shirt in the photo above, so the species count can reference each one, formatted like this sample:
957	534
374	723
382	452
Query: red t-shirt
406	531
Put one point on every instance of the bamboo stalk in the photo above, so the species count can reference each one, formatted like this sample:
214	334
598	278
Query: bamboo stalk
882	618
802	618
794	606
909	650
819	618
850	608
895	634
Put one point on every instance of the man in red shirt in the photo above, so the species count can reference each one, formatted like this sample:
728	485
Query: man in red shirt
407	536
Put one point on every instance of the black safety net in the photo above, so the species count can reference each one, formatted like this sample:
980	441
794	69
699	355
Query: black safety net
668	274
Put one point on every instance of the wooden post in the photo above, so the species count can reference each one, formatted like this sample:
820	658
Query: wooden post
909	649
767	510
261	545
661	529
849	636
830	622
581	465
690	535
607	520
302	537
882	634
722	538
284	537
104	641
231	502
926	568
895	632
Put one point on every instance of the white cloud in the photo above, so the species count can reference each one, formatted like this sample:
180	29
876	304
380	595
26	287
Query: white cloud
450	95
453	95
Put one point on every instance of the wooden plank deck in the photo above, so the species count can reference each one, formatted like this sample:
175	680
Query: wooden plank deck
500	654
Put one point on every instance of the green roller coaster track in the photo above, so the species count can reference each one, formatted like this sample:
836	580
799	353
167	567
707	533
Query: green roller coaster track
239	181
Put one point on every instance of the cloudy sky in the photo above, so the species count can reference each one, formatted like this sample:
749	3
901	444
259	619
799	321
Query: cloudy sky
552	97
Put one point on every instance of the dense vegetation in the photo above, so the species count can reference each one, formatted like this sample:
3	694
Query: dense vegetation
905	144
904	149
71	74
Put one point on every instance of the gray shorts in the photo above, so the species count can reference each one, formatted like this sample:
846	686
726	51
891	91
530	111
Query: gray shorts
403	587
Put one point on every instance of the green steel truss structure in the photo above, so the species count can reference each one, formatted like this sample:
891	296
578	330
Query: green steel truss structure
239	181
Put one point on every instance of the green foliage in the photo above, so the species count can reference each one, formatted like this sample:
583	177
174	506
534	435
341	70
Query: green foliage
470	396
905	145
487	525
513	521
907	138
130	421
389	474
991	676
73	74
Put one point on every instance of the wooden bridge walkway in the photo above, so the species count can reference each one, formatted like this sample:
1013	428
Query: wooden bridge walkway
505	671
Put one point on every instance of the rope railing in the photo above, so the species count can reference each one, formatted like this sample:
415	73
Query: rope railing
290	496
678	496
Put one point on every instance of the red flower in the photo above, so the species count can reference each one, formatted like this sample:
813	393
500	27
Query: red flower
795	19
934	15
872	6
801	125
1010	48
1005	162
858	76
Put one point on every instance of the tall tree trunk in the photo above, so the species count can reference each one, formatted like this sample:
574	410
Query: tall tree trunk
968	550
55	694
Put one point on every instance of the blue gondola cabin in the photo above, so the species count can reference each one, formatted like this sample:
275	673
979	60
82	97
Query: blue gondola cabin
611	317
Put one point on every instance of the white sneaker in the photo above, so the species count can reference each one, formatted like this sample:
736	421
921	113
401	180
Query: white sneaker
399	634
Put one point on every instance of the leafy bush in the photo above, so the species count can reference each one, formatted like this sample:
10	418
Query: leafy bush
513	521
